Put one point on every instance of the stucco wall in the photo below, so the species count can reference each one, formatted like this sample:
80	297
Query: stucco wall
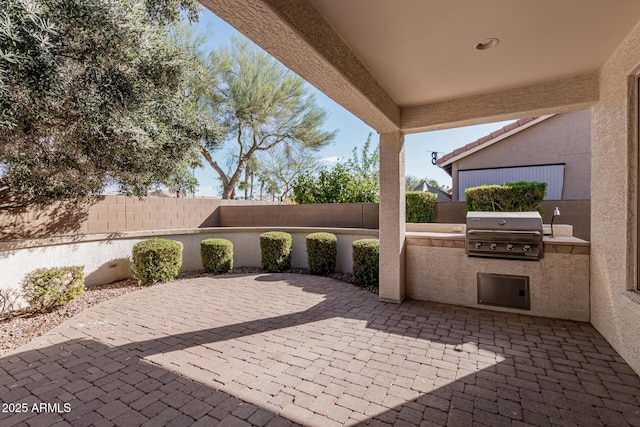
106	257
564	138
615	310
439	270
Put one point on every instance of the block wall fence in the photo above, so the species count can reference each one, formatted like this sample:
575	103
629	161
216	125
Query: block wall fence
114	214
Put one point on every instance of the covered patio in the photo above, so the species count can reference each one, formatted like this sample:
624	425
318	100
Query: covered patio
287	349
419	65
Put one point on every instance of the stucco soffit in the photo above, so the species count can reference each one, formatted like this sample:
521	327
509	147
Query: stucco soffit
552	97
295	33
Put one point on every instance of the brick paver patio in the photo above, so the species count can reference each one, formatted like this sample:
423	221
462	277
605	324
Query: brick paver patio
281	349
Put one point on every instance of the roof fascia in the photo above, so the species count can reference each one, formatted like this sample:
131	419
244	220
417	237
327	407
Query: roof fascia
496	139
557	96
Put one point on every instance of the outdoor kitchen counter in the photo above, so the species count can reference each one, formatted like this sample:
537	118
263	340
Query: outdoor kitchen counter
438	269
561	244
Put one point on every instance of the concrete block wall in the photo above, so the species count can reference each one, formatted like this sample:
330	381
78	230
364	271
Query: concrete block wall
121	213
343	215
114	214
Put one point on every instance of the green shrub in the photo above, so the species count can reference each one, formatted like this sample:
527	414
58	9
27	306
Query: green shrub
518	196
217	255
47	288
366	261
420	206
322	250
275	247
156	260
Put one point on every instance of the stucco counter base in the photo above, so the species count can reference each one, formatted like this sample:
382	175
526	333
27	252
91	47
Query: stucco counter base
438	270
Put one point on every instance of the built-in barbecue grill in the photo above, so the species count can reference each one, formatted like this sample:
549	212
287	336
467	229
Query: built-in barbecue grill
509	235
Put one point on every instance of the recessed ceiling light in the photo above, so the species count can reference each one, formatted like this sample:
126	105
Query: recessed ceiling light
487	44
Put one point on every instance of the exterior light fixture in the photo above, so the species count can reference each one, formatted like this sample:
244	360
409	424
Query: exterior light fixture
487	44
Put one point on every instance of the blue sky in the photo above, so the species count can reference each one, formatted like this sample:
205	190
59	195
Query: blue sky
352	132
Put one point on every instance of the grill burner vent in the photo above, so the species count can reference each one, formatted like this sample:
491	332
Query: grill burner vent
507	235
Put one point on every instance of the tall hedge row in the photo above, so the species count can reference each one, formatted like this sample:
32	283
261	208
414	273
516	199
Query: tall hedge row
521	196
420	206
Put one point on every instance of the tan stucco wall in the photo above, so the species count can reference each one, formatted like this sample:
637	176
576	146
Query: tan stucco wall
558	283
615	310
392	217
564	138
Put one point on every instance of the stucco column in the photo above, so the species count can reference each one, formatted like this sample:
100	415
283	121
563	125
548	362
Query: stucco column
392	217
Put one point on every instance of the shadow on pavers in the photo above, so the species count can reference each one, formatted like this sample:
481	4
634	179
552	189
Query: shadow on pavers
546	371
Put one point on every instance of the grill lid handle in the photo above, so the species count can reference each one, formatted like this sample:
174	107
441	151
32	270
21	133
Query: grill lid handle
520	232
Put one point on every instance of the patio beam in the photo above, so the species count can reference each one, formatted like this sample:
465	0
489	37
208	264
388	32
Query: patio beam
295	33
558	96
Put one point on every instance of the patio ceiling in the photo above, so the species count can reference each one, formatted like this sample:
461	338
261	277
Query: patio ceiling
415	62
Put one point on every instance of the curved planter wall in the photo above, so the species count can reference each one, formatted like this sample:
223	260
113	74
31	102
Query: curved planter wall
106	256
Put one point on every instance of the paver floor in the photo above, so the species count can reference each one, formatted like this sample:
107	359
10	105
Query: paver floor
284	349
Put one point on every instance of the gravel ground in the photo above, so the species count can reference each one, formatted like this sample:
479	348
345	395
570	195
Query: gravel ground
19	327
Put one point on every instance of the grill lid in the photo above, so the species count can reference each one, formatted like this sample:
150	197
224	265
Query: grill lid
508	235
512	221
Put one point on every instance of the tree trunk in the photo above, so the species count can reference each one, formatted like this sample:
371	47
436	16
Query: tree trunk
246	181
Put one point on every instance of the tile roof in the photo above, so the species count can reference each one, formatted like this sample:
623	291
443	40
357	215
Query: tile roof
444	160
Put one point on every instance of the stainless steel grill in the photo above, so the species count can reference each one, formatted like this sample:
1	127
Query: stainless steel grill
509	235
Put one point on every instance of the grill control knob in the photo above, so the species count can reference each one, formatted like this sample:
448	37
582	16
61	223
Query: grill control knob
509	246
493	246
526	248
478	245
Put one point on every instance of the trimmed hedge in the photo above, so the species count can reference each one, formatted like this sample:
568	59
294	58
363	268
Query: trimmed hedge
216	255
420	206
322	251
156	260
521	196
275	247
47	288
366	261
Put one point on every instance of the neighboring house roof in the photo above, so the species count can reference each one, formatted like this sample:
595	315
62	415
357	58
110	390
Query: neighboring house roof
518	126
441	195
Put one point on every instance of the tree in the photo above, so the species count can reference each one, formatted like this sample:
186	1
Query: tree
355	181
182	180
263	106
251	169
281	168
337	185
366	163
436	184
93	92
411	182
